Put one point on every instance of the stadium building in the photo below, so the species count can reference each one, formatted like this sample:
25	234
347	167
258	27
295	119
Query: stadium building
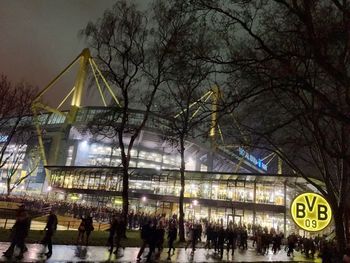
222	184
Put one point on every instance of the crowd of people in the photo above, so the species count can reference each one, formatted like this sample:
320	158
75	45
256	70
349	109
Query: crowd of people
217	238
155	230
38	203
101	214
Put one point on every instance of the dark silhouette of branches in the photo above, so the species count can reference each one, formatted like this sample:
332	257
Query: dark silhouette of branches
296	53
16	132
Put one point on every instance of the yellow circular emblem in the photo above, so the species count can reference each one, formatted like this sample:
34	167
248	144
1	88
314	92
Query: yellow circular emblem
311	212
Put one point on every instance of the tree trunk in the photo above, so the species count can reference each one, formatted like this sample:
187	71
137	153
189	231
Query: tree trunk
182	191
347	226
8	185
340	231
125	197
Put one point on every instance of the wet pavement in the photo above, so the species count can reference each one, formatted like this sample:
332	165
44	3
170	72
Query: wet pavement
62	253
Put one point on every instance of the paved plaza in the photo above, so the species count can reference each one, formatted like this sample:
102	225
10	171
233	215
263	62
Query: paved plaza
63	253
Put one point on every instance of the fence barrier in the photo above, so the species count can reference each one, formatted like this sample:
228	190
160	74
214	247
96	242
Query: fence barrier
62	225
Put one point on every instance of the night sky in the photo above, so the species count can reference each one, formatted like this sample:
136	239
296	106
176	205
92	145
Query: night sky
40	37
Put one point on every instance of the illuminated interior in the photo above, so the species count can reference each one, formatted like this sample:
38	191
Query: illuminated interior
87	170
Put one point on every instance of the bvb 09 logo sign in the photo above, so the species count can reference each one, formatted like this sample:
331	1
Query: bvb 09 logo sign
311	212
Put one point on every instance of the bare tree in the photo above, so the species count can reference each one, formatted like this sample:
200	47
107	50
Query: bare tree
181	101
16	132
294	55
133	55
22	164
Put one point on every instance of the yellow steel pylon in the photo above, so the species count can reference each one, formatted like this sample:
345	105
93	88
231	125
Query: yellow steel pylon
85	60
214	116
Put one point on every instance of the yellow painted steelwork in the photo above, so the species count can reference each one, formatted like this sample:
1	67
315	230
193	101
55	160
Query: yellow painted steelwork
279	169
41	93
38	105
105	82
206	99
271	155
221	135
214	113
206	96
39	133
76	93
311	212
81	76
49	109
98	84
65	98
79	85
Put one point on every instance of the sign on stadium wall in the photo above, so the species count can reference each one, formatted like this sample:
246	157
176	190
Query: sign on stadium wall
311	212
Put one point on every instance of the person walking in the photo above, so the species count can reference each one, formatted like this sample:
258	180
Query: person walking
152	241
195	237
89	227
172	235
145	236
215	237
50	228
221	241
119	234
81	231
209	234
160	232
190	234
112	231
19	233
292	240
244	238
231	240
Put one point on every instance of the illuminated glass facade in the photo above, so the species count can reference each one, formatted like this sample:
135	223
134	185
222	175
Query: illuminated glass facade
87	169
14	156
247	199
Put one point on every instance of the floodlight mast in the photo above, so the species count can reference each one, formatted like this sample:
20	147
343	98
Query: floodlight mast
215	94
84	58
77	93
214	116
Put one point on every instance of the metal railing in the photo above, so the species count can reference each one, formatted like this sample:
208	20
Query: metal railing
62	225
